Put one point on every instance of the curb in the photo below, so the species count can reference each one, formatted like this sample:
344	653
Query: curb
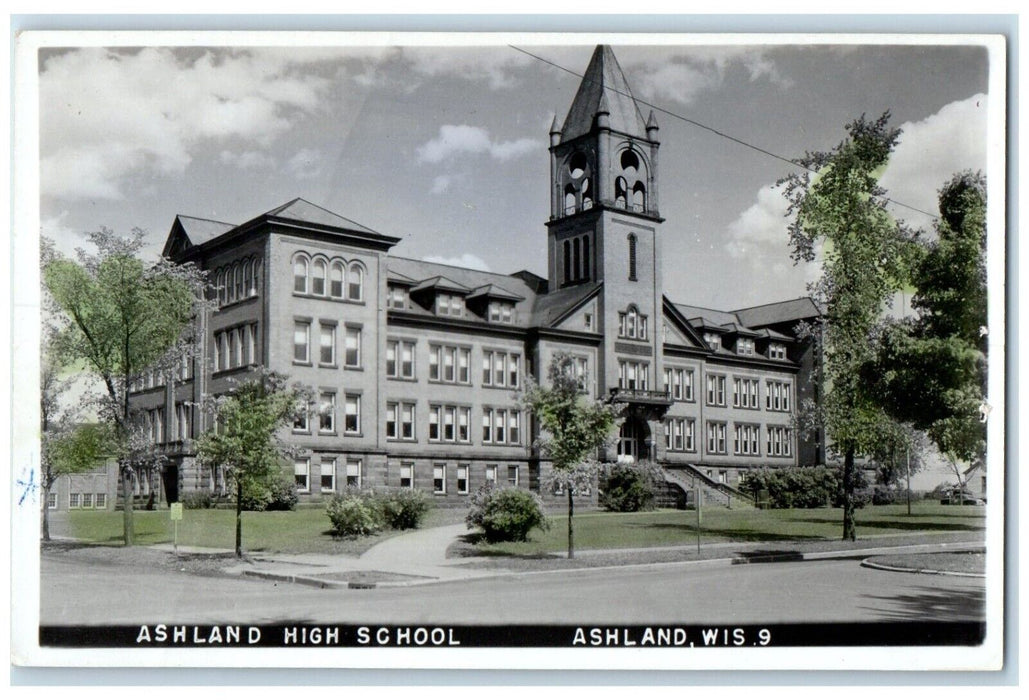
862	554
869	564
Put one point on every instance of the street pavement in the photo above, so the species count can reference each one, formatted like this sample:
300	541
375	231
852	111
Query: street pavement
826	586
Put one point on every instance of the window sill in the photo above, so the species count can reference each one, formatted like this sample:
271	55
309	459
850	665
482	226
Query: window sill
401	379
326	297
302	363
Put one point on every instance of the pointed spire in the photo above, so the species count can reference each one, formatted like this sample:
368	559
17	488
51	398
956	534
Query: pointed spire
603	82
652	126
555	132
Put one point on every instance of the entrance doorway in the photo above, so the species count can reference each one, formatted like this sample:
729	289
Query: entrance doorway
633	440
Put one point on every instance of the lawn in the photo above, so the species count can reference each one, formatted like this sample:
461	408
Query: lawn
302	530
602	530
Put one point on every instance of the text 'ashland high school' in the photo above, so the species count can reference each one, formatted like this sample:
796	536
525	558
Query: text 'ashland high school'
416	366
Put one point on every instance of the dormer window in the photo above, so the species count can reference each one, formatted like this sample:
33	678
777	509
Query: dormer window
776	351
501	312
632	324
396	297
714	340
745	346
449	305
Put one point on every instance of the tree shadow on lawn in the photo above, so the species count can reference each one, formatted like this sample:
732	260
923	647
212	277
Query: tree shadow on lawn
907	525
732	534
761	556
931	603
467	546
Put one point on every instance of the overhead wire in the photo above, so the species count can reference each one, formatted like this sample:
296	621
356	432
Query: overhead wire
746	144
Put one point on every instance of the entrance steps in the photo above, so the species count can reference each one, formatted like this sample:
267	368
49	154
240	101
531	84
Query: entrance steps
681	484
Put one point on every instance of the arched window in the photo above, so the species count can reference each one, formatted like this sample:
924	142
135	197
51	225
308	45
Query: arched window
632	322
639	197
237	274
220	287
318	277
300	274
336	279
632	256
587	194
586	267
621	193
570	199
630	163
248	278
576	261
355	282
568	260
577	165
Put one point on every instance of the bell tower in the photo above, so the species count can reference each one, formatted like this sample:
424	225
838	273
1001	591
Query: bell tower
604	221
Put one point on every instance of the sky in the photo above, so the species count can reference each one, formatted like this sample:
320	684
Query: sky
446	147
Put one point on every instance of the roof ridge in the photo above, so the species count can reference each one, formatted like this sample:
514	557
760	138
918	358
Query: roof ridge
772	303
201	218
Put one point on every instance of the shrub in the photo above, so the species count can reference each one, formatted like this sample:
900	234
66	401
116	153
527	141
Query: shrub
794	487
627	488
884	495
403	509
506	514
354	514
196	500
282	492
256	496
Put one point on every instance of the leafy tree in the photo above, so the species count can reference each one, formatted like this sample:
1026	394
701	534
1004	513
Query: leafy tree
243	438
836	205
124	316
68	446
931	371
571	430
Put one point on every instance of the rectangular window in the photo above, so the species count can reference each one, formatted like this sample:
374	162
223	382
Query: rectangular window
487	425
435	412
51	500
87	500
449	420
780	441
512	474
328	474
439	478
744	393
301	341
633	375
464	358
513	425
353	347
392	420
407	421
352	423
449	305
73	500
714	340
354	473
716	438
745	439
745	346
327	412
101	500
396	297
462	478
580	371
715	390
449	364
777	396
251	345
302	474
301	422
400	359
328	344
491	474
776	351
499	418
464	419
406	476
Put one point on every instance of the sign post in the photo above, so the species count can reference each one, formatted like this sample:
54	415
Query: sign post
176	516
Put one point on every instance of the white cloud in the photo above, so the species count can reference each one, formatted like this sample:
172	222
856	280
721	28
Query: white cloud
107	115
930	151
457	139
467	260
762	224
247	160
305	165
441	183
681	78
493	65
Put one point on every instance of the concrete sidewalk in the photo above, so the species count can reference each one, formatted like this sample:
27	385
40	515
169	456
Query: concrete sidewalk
419	557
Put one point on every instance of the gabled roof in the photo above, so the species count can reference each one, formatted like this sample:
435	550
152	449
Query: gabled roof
716	319
302	211
554	307
492	291
200	231
398	278
440	283
603	85
778	312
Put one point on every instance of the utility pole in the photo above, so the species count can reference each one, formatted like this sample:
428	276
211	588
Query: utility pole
907	452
